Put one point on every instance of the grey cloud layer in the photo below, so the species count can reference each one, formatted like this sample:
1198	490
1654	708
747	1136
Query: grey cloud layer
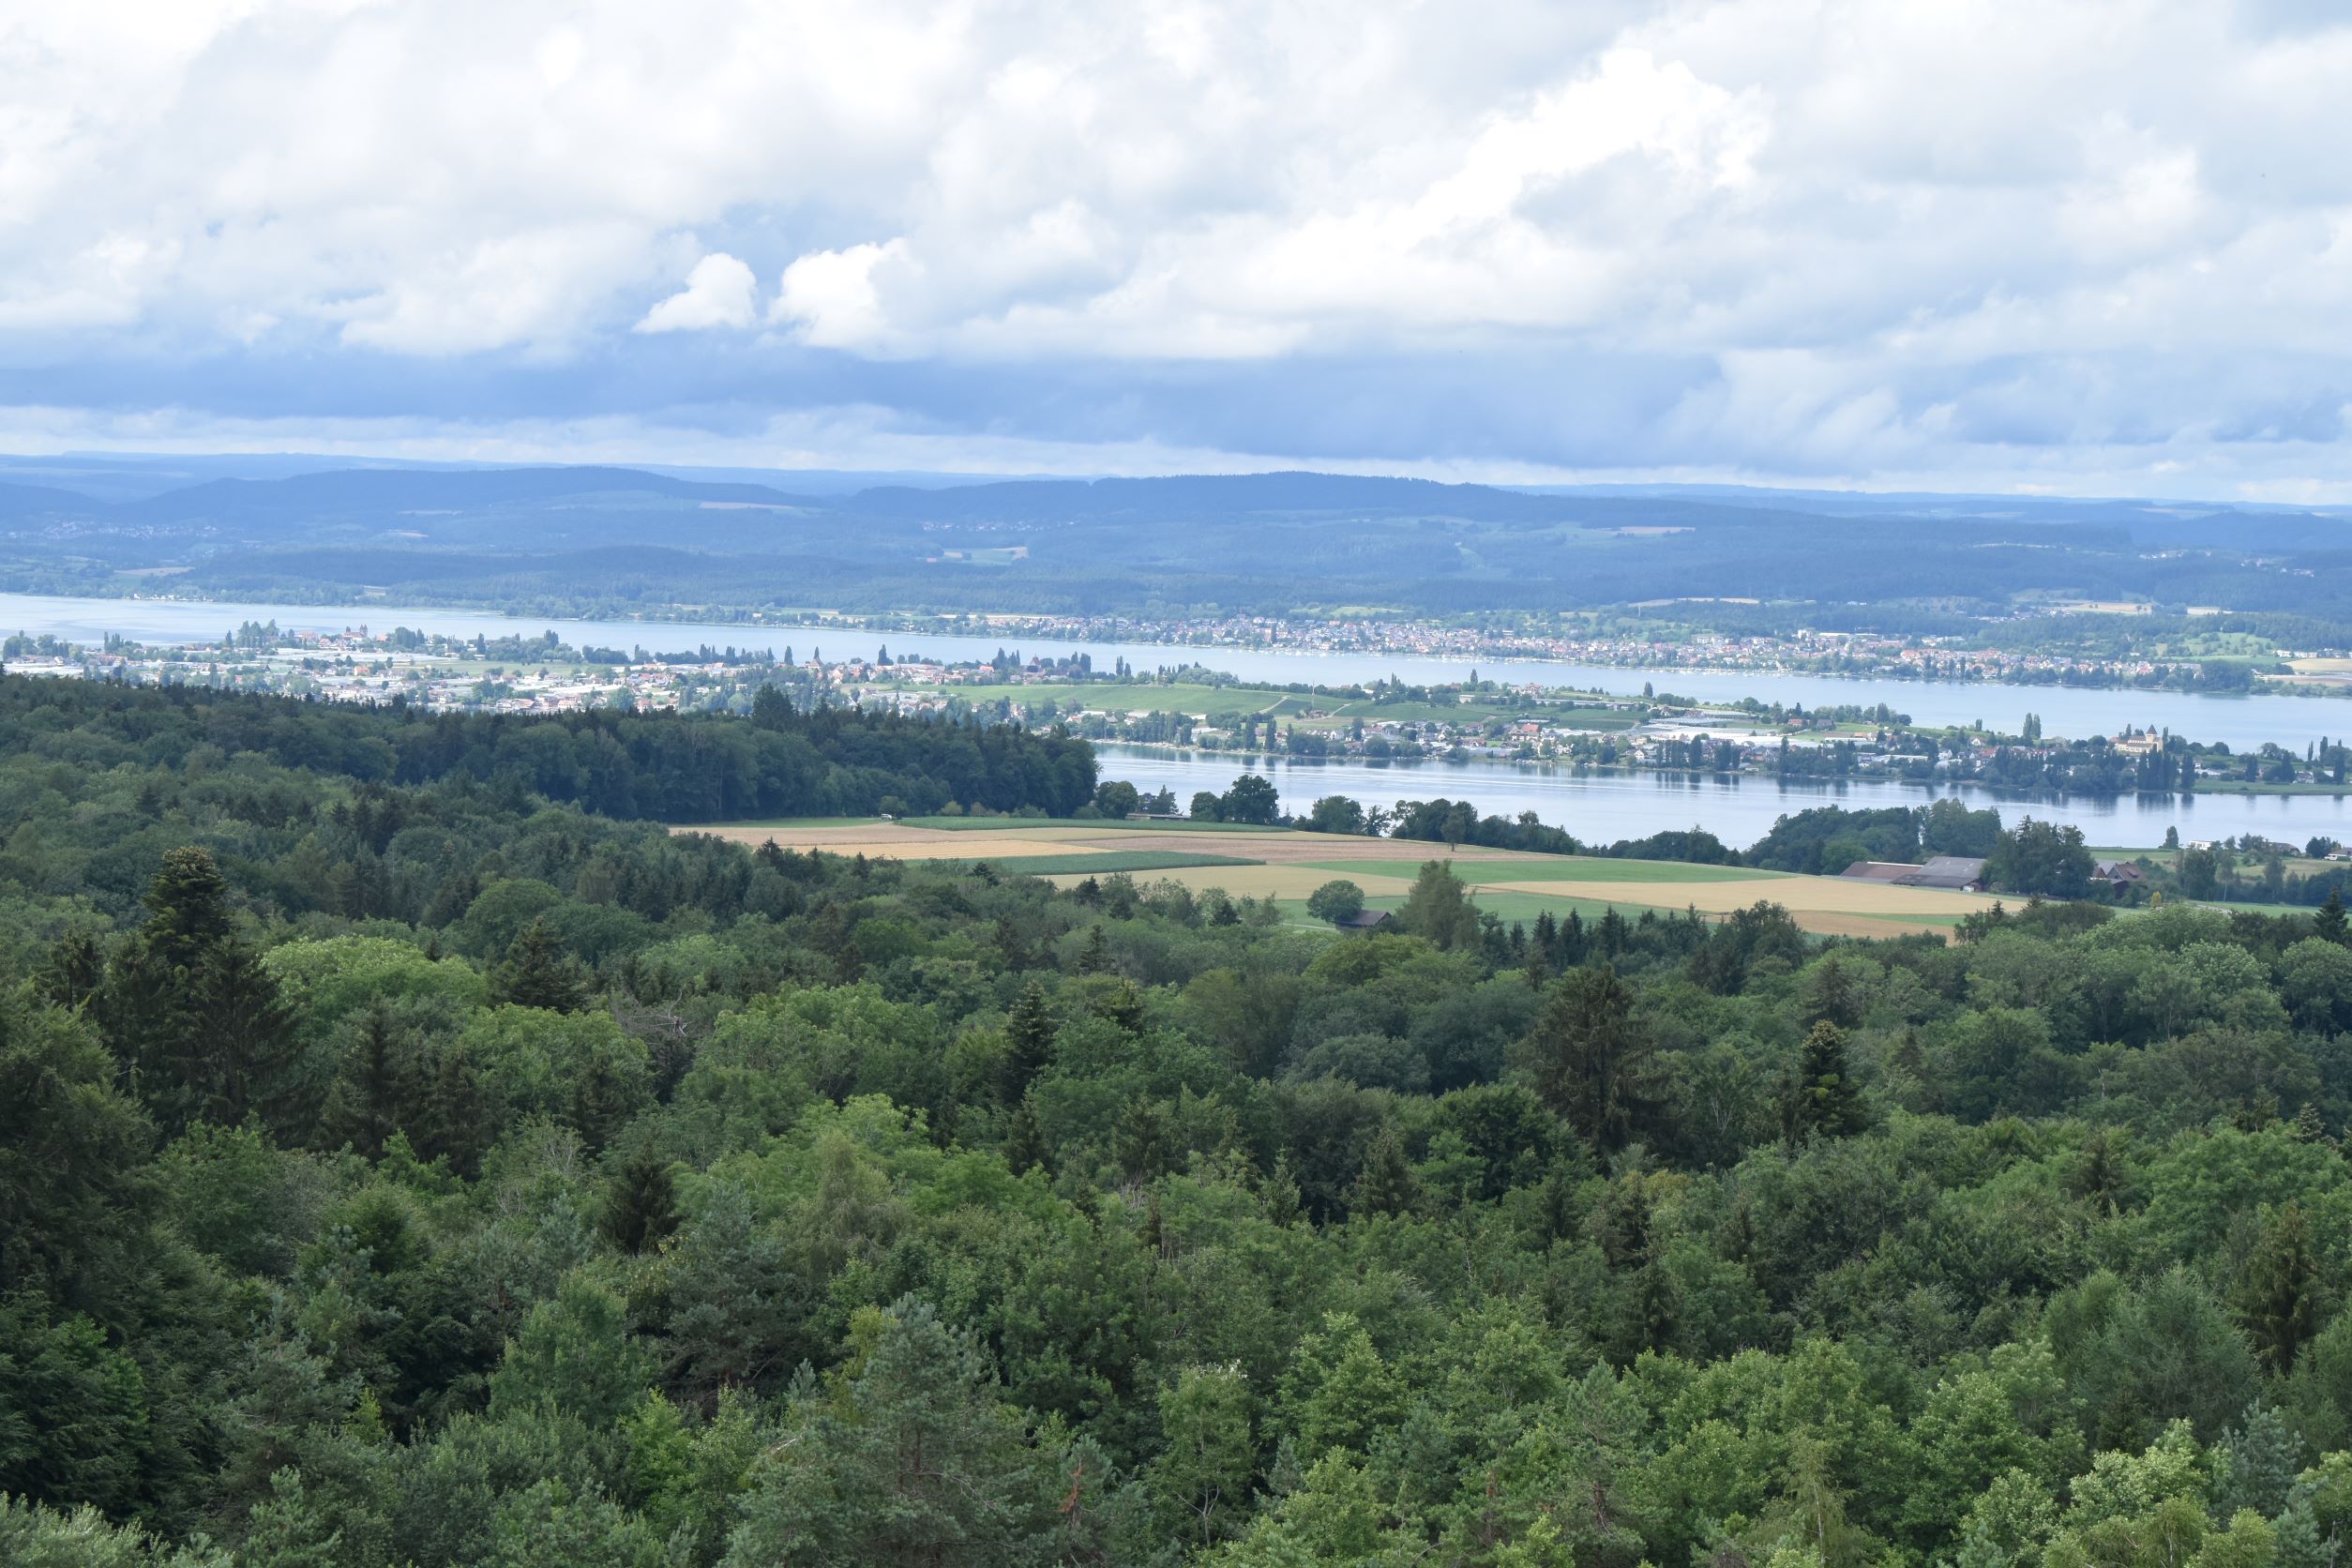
2075	245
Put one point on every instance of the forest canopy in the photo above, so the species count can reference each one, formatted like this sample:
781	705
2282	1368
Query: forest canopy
409	1154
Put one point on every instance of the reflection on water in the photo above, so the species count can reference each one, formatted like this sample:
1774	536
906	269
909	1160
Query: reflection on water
1605	805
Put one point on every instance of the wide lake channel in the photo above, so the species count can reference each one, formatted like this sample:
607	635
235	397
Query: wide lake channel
1594	805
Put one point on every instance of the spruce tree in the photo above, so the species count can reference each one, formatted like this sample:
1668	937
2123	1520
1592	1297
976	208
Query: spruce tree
600	1101
2278	1291
191	1008
73	971
641	1205
1590	1057
538	974
1824	1100
247	1053
1025	1142
452	1122
1029	1036
1386	1185
2329	923
364	1102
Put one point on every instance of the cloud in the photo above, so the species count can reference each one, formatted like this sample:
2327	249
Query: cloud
719	292
2058	240
831	298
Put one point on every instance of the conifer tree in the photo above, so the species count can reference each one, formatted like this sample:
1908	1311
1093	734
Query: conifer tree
452	1122
1024	1140
641	1205
2329	923
2278	1291
1823	1099
1387	1185
73	971
247	1051
538	974
193	1010
1590	1057
1029	1036
364	1104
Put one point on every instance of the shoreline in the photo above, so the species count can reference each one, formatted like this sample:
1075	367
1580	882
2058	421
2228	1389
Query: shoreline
915	625
1939	787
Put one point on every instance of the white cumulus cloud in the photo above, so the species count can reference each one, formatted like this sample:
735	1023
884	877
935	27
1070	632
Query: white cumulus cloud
719	292
1825	238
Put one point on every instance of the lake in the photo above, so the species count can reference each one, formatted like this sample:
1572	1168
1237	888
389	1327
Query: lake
2238	722
1606	807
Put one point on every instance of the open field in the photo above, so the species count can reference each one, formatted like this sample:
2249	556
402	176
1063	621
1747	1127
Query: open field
1104	863
1286	865
1482	869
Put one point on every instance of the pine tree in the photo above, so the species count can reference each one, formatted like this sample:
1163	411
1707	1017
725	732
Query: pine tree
1095	957
2278	1291
538	974
1824	1100
641	1205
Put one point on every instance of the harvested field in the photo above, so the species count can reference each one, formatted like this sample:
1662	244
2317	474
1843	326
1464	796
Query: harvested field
1289	866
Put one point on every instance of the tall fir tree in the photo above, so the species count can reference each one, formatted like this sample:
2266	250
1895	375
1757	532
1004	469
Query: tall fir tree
2279	1288
2328	923
191	1008
364	1104
1590	1057
1824	1101
538	973
1024	1140
1386	1185
640	1203
1029	1036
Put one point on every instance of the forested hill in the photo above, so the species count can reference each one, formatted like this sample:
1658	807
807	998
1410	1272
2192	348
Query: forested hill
666	767
617	540
399	1169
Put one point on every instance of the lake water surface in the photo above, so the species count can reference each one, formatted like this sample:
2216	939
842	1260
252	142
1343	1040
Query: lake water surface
1593	805
1603	807
2238	722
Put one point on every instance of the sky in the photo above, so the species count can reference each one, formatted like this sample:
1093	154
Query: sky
2047	246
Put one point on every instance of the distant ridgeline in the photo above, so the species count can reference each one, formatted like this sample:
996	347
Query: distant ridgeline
595	540
666	767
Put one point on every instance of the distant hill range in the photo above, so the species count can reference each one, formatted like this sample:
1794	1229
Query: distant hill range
583	539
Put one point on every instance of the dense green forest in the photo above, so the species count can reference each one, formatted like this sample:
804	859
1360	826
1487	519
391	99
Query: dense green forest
402	1161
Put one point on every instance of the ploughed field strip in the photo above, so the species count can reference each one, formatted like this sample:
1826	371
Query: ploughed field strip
1289	866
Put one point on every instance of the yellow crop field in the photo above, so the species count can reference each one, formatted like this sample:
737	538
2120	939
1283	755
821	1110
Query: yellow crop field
1291	866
